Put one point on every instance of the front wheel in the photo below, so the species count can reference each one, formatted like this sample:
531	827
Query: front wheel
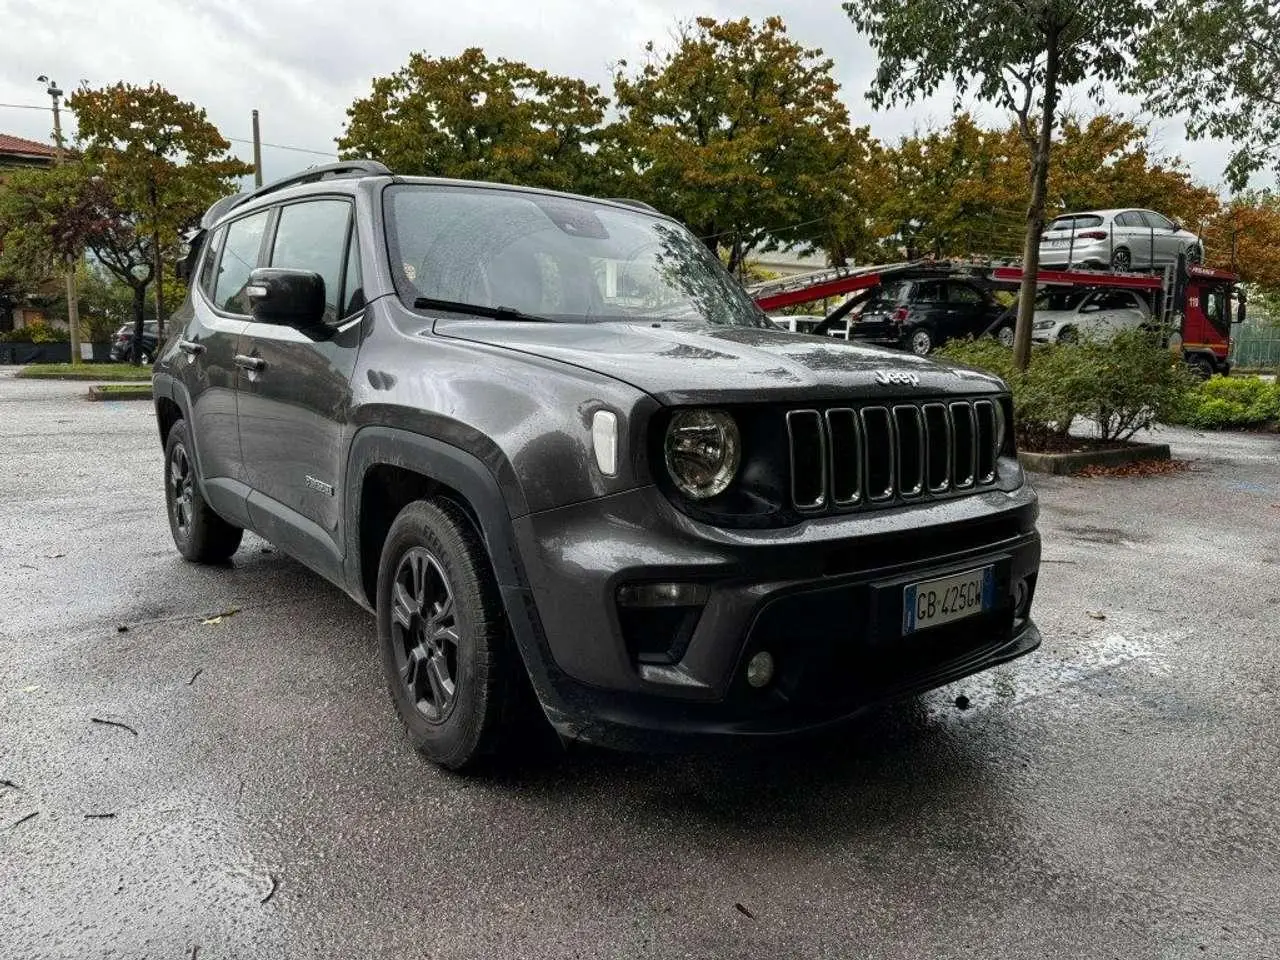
449	659
1199	366
920	340
1195	255
200	535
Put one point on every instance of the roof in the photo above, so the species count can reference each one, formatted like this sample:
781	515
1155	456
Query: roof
22	147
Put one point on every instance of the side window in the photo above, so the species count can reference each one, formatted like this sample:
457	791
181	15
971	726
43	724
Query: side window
1156	220
963	293
928	292
1129	219
239	258
210	263
352	280
312	236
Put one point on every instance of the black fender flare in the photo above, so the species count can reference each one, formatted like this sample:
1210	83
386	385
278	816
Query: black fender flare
471	478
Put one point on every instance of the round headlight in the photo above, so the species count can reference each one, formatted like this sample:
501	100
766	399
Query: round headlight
702	450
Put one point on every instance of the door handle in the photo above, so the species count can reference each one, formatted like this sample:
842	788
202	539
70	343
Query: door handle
256	364
190	347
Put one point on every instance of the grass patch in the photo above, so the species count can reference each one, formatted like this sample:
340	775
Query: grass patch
123	372
120	391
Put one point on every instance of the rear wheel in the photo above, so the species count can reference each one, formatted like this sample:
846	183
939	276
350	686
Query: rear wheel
920	340
1121	259
1006	335
1200	366
450	662
200	535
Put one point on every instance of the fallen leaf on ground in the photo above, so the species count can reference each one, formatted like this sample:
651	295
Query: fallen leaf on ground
31	689
1097	614
1142	468
744	911
218	618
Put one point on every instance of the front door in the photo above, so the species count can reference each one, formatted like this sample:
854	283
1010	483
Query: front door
966	310
212	324
296	390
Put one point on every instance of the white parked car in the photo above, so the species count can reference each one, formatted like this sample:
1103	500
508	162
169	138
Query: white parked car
797	323
1118	239
1063	316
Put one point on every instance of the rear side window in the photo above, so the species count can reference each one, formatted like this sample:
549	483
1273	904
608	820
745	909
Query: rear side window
313	236
239	257
210	265
1130	218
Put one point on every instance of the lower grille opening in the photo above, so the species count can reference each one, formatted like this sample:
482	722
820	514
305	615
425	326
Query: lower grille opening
658	634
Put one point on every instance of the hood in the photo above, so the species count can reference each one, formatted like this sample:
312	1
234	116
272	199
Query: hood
686	363
1058	316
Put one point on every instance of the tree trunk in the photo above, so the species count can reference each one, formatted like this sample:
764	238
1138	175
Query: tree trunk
139	309
1035	212
159	278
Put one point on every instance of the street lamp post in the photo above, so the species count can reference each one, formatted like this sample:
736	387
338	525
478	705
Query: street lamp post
73	303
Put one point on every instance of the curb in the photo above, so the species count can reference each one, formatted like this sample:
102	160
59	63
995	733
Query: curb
141	391
1068	463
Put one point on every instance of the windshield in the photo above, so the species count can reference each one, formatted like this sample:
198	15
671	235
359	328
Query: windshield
555	257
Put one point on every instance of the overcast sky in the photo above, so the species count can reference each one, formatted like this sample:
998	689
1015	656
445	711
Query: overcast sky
302	62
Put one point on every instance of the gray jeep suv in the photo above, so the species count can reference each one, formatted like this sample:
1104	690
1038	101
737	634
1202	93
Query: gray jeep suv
570	465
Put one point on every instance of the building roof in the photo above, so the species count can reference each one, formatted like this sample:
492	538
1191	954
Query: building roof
20	147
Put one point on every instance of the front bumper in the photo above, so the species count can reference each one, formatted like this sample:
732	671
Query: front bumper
824	598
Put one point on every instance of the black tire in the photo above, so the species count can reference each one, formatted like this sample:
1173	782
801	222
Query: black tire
1195	254
1121	259
433	558
920	340
1069	335
200	535
1199	366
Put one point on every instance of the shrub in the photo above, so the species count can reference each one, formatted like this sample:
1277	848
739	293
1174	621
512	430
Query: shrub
1224	402
36	331
1121	385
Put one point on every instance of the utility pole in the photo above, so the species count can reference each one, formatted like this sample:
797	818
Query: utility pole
257	152
73	302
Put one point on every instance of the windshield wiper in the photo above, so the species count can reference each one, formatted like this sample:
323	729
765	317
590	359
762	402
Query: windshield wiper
477	310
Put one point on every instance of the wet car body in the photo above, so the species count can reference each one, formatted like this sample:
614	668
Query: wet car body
638	612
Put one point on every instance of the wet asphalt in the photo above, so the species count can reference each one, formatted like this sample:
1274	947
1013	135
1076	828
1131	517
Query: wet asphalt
1115	794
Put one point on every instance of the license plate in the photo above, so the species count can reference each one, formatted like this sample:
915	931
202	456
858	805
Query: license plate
931	603
1056	243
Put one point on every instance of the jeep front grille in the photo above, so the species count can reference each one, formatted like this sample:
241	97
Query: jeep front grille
846	457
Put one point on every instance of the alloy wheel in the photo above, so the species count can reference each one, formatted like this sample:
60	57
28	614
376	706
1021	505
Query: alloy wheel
424	627
1005	336
181	489
1120	260
921	343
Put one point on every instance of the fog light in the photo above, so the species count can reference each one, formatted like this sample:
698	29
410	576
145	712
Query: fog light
1021	599
662	594
760	669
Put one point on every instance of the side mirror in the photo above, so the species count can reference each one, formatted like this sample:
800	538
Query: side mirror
288	298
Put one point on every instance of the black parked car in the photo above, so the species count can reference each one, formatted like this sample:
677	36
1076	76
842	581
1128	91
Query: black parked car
920	315
568	463
122	343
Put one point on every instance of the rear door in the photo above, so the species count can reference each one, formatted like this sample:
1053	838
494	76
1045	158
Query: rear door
929	304
296	392
209	341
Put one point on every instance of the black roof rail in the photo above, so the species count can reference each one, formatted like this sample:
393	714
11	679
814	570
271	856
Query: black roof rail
639	204
325	171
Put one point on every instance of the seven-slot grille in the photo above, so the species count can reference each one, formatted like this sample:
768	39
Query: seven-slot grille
846	457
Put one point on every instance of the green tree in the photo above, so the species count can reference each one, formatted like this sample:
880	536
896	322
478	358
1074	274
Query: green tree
50	216
739	131
1015	53
162	160
479	119
1218	63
